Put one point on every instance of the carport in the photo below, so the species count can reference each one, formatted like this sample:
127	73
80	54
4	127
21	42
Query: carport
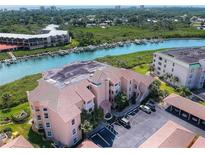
186	108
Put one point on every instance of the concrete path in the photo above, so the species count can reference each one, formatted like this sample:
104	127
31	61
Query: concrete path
12	55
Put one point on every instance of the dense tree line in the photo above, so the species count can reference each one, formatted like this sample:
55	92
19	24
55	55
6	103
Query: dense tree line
30	21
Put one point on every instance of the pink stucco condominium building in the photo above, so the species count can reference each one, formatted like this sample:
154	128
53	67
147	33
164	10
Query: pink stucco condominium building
63	93
173	135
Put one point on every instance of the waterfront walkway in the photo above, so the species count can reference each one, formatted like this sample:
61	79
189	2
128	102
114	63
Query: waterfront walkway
12	55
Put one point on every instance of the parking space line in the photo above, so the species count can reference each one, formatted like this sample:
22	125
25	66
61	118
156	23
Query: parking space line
111	131
103	139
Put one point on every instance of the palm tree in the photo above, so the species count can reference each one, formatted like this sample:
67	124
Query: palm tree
86	127
6	97
175	80
151	68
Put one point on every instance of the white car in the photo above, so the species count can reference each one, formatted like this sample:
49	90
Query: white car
145	108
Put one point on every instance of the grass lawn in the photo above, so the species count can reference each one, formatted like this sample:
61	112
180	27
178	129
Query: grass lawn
15	110
21	53
129	60
25	130
17	90
170	89
142	69
4	55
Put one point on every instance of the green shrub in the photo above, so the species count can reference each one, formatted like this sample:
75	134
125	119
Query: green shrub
7	129
20	117
6	110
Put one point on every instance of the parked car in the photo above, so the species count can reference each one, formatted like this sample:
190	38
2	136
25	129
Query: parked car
145	108
151	106
136	110
125	122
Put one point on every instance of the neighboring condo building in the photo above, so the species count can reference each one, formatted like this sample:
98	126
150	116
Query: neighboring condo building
63	93
185	64
173	135
18	142
49	36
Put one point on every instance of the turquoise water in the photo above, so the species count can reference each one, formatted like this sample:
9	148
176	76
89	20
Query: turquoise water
32	66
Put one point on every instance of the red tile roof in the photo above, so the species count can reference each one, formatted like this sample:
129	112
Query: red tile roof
4	47
178	139
87	144
170	135
199	143
19	142
186	105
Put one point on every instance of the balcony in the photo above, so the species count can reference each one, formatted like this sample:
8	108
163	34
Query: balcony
89	105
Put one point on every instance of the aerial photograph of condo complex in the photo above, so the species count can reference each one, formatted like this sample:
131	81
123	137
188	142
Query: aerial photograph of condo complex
113	76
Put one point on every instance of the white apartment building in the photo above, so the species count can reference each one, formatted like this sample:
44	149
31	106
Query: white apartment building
49	36
187	64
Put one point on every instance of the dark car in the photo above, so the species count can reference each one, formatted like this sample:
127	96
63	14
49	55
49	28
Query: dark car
151	106
124	122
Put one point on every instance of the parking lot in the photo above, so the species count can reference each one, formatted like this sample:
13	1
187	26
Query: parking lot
144	125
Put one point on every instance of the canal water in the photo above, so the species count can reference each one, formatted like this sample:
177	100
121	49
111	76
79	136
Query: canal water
32	66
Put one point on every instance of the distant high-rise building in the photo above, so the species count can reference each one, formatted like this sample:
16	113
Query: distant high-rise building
117	7
141	6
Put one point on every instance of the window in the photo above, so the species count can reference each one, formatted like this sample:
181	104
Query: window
45	115
172	70
159	63
173	64
38	117
158	68
130	82
48	125
165	65
37	109
40	126
160	58
45	109
165	61
73	121
49	134
74	131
